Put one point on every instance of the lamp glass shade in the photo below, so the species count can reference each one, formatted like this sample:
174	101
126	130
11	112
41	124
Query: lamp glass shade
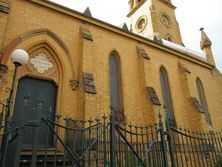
20	56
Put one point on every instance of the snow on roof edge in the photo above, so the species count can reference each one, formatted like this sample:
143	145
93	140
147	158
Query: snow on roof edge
180	48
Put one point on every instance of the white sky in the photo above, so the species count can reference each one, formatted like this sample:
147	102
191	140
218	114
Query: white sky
191	15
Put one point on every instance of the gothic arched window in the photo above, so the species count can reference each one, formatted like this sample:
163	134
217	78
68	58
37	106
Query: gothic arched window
115	86
138	1
169	39
203	101
166	94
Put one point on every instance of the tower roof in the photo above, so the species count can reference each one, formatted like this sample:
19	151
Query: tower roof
205	41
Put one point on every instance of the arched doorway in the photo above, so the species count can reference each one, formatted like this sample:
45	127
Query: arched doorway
35	99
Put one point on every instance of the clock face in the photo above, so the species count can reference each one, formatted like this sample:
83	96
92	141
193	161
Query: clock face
141	23
165	20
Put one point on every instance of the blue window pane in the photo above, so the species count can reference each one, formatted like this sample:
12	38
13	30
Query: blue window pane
115	83
203	101
166	93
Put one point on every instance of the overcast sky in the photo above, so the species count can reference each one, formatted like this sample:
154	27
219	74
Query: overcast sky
191	15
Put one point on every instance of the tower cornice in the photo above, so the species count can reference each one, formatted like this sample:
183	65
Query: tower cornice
168	4
136	7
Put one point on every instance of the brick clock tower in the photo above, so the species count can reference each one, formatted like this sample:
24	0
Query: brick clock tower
151	18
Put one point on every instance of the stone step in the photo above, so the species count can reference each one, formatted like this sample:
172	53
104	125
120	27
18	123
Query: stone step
44	159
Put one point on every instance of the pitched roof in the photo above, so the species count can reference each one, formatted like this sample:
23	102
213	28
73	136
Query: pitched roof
195	57
185	50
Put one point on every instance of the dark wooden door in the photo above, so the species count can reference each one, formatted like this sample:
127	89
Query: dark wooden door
35	99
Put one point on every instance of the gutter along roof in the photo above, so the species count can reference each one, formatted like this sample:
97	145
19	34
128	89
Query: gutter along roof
160	44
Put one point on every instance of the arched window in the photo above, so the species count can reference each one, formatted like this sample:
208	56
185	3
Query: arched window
169	39
203	101
115	86
166	94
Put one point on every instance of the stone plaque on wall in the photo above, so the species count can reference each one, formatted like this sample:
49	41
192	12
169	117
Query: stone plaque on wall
41	63
153	96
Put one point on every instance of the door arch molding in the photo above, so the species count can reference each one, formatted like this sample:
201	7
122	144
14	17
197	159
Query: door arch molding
65	65
34	37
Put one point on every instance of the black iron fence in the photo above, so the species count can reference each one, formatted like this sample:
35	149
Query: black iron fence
195	148
2	111
2	116
105	142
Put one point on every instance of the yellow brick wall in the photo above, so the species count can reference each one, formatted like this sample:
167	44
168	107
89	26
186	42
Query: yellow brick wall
3	21
136	73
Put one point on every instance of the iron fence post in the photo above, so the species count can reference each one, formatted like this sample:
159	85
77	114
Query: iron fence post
18	146
4	143
35	143
104	140
112	140
163	144
7	114
2	114
65	139
169	137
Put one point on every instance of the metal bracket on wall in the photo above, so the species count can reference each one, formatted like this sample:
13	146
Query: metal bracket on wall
74	84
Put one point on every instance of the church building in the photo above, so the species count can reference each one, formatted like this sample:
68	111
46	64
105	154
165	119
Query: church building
82	67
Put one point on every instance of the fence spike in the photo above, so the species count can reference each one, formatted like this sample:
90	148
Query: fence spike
90	120
104	116
160	116
130	125
97	119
